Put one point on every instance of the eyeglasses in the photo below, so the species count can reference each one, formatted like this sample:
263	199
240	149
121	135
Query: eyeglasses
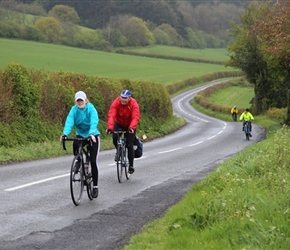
80	100
124	97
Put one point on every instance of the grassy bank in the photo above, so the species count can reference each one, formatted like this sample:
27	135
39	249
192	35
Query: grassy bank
243	204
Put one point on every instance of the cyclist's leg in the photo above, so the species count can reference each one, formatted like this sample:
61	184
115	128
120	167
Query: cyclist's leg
94	155
75	152
115	137
76	146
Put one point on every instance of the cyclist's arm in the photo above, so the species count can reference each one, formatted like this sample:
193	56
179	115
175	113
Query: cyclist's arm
135	115
112	115
94	121
242	117
69	123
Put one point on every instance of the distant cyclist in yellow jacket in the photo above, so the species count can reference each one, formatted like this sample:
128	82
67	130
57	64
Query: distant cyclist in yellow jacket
247	116
234	112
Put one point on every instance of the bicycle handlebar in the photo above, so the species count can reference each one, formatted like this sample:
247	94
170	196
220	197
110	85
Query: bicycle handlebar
119	131
75	139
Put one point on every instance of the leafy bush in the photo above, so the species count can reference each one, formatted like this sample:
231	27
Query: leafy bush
35	103
279	115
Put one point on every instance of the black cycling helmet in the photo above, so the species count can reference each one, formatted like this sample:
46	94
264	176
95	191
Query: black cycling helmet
247	110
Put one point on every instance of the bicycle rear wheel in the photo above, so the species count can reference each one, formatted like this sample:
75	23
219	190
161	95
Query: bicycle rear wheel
89	184
119	164
125	163
76	180
247	131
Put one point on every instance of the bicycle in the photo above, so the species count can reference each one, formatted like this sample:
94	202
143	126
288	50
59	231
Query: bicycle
122	161
247	130
80	173
234	115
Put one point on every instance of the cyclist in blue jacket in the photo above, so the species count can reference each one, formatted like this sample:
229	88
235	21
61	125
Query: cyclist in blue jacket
84	117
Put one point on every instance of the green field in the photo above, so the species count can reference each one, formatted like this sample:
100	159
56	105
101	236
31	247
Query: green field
233	96
103	64
203	54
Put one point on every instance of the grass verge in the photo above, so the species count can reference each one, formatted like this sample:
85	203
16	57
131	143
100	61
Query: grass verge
243	204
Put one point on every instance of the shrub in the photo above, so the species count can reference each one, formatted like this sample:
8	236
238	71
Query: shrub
41	101
277	114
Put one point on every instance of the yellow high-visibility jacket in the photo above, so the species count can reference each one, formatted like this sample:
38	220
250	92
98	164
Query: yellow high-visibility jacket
234	110
247	116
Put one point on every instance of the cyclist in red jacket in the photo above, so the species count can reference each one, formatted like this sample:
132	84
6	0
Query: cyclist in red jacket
124	114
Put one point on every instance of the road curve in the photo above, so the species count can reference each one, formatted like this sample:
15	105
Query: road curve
37	212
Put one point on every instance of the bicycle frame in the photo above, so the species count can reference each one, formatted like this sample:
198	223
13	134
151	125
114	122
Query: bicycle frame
79	178
234	115
122	160
247	130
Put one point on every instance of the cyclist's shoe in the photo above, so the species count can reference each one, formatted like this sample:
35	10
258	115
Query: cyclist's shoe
95	193
131	170
77	166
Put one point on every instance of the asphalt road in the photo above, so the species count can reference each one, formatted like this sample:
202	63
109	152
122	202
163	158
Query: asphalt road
36	207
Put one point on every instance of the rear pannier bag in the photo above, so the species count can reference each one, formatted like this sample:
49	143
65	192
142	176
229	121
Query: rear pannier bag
138	147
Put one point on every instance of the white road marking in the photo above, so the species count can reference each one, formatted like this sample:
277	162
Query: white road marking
196	143
36	182
196	117
168	151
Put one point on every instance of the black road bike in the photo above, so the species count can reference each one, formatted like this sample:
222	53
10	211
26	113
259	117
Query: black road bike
247	130
80	173
122	161
234	115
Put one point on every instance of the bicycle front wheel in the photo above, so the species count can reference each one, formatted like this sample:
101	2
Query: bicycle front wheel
119	164
76	180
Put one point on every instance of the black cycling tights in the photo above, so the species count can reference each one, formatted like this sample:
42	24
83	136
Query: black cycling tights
94	156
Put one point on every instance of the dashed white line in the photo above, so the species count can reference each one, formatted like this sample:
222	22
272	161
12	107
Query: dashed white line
36	182
187	112
168	151
196	143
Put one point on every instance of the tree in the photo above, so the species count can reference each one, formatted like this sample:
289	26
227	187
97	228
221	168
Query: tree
161	37
51	28
133	28
65	14
137	32
275	34
171	32
245	53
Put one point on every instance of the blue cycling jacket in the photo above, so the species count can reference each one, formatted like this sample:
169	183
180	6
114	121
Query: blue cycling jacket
85	121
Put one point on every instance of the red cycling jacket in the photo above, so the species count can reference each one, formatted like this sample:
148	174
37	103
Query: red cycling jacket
125	115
